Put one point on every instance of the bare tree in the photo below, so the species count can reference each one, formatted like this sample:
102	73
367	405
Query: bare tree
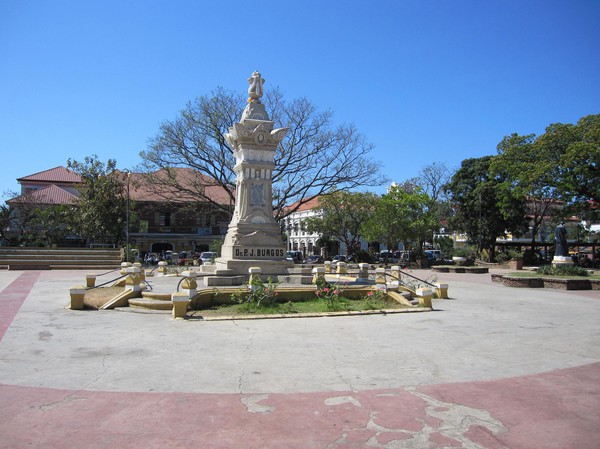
432	179
315	158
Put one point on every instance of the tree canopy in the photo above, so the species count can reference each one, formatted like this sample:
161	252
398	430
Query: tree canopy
556	173
316	157
344	214
576	148
100	213
404	214
483	209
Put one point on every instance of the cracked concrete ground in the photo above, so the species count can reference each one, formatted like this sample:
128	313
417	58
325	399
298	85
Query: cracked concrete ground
493	367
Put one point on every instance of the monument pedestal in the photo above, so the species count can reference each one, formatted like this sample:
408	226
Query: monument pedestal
564	261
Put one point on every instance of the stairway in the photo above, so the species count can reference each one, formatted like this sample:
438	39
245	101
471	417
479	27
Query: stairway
152	300
13	258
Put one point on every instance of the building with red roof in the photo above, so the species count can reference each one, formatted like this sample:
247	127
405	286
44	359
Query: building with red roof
163	218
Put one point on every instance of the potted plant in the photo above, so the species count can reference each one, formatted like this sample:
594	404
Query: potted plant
515	262
460	256
464	255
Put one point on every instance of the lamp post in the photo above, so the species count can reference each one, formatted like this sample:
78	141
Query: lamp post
127	219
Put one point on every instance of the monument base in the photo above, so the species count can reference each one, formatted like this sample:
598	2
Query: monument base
564	261
241	266
235	272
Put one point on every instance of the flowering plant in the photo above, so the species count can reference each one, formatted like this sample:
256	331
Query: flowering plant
330	294
257	293
375	299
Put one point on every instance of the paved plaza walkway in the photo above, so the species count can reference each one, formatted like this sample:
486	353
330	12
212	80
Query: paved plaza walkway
491	368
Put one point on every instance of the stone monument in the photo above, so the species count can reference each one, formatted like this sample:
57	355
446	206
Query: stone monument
254	237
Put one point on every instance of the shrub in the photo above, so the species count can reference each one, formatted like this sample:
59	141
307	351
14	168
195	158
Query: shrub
562	270
509	254
375	300
362	256
470	252
257	294
330	294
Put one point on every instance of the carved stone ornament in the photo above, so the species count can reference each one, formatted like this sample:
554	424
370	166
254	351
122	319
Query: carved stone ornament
255	91
278	134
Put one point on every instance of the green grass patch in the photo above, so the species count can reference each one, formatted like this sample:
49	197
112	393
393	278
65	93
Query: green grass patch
309	306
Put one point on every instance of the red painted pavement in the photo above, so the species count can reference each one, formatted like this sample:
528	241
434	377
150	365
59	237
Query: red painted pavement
13	296
555	410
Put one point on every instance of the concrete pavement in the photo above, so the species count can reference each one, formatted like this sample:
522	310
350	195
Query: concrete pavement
493	367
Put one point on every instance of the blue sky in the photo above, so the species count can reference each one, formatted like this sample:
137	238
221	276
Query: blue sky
424	81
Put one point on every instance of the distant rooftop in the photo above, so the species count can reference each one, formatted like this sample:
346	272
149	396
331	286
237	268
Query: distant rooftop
312	203
54	175
50	195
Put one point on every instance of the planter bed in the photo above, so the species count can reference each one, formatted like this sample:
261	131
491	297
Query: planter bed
459	269
546	282
518	282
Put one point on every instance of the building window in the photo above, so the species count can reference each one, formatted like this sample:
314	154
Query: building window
164	219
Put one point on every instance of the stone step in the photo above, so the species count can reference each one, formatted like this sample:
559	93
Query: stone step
51	266
45	261
59	258
10	251
160	296
79	266
154	304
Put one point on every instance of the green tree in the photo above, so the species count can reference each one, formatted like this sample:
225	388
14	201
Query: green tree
100	214
557	173
5	221
315	158
484	210
576	150
25	208
527	171
404	214
48	225
344	214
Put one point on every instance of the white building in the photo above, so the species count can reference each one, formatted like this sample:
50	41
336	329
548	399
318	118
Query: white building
298	238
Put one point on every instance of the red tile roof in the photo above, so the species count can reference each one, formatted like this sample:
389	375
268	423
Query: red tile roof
53	175
312	203
50	195
140	188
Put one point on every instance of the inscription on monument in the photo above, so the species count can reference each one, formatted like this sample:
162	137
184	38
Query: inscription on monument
259	252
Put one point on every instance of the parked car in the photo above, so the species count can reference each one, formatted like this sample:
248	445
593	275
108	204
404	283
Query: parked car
433	254
315	259
295	256
208	257
387	256
338	258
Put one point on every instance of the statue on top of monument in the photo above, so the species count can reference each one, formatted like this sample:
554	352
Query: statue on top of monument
255	91
560	241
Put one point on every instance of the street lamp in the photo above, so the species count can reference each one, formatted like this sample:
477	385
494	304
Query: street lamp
127	219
